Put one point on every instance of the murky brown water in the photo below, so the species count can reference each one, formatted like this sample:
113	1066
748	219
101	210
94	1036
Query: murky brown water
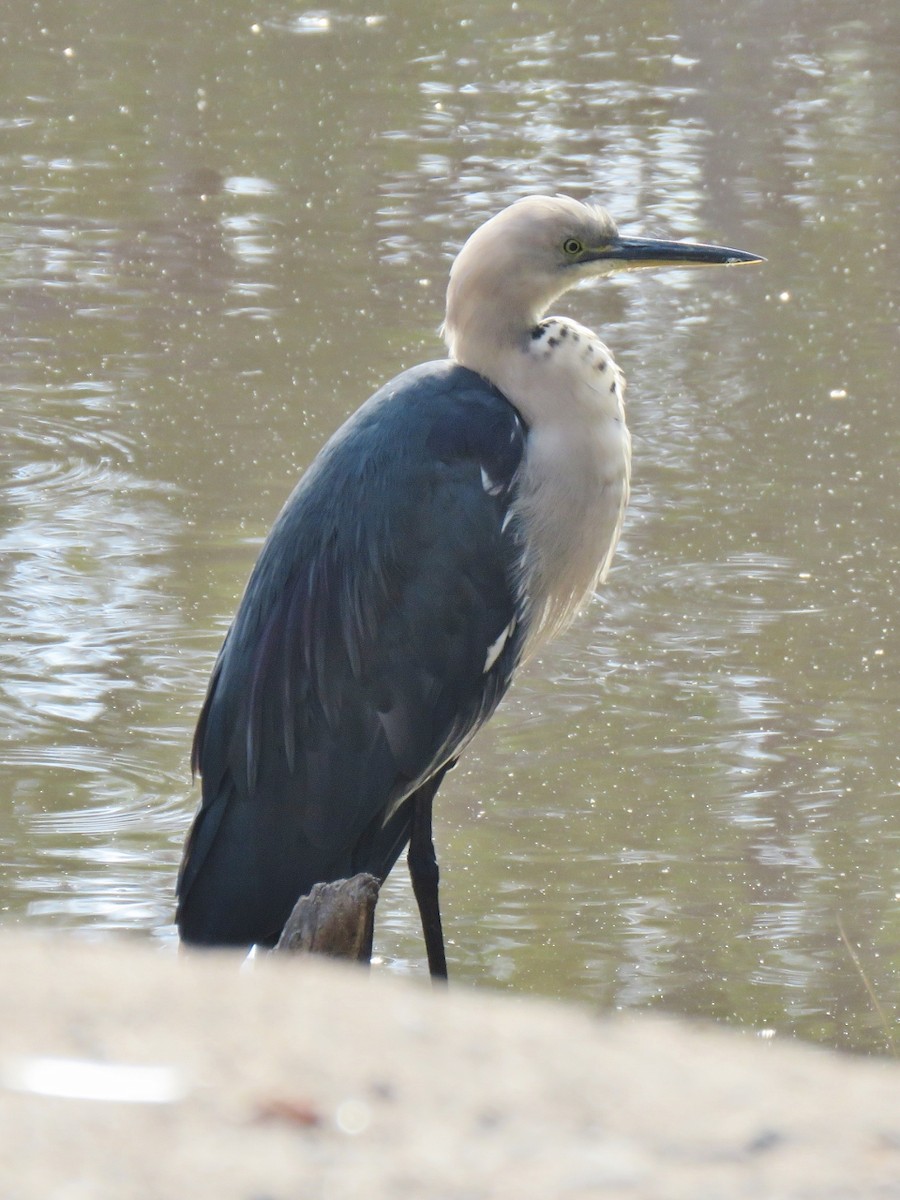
222	227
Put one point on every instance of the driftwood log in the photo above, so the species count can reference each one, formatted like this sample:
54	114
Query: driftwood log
337	919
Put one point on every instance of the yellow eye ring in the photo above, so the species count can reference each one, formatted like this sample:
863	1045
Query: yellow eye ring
572	246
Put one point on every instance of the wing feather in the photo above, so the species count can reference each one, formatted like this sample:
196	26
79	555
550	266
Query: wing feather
355	666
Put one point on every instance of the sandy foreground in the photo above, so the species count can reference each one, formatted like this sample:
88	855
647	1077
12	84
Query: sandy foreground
127	1072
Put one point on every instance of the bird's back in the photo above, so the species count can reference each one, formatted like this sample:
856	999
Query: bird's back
379	629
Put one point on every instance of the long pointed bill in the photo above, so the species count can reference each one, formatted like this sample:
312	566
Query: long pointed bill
649	252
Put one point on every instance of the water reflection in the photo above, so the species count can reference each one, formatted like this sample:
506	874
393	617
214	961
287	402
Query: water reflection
83	546
222	231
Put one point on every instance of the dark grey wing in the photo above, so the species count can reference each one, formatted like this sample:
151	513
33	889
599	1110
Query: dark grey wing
379	629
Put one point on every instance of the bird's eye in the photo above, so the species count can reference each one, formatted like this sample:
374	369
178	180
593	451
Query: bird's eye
572	246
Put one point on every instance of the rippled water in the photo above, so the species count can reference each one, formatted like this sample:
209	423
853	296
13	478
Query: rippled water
220	230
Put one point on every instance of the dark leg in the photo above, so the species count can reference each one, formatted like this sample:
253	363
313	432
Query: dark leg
423	870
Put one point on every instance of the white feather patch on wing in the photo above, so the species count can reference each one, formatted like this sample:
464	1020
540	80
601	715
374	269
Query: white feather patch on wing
495	649
488	484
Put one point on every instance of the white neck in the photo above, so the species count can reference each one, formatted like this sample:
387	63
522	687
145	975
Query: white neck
575	478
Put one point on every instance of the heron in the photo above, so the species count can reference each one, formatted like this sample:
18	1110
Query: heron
457	521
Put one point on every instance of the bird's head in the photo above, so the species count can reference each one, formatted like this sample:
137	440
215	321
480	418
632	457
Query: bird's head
517	263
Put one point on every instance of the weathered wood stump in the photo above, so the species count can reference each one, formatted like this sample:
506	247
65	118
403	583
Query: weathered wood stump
337	919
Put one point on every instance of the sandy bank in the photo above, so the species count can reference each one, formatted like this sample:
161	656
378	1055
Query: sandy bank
305	1079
